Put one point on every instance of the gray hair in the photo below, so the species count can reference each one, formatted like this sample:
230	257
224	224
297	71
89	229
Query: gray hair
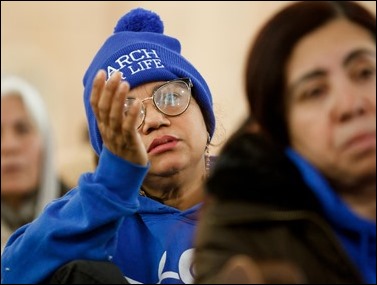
34	104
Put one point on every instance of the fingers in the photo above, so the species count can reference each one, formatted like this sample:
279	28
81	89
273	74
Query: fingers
116	109
129	123
106	99
133	113
98	85
118	131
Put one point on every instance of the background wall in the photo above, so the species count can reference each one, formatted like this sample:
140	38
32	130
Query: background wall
52	43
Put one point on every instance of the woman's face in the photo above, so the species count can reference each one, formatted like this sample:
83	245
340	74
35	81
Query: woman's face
331	101
21	149
173	143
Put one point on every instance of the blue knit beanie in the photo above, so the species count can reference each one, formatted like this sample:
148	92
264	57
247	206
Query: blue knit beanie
142	53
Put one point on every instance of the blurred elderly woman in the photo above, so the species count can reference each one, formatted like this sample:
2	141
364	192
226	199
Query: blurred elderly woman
28	177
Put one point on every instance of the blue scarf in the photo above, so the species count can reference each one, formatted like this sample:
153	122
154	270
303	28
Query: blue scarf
357	234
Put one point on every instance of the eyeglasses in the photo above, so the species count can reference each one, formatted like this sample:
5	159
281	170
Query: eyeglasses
172	99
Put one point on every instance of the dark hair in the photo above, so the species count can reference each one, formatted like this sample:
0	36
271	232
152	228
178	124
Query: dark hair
265	76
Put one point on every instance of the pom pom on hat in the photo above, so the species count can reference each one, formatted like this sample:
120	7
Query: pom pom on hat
140	51
140	20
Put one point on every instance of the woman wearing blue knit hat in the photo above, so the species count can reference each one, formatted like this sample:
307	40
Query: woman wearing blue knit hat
150	121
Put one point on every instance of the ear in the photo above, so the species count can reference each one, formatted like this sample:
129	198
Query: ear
241	269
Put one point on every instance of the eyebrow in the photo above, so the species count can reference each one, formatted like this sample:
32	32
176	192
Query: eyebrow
356	54
321	72
153	91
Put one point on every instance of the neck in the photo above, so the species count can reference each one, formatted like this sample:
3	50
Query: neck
16	201
181	190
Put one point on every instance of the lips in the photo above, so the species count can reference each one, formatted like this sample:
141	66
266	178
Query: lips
11	169
361	141
162	144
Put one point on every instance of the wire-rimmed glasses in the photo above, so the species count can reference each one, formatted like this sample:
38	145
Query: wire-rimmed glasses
171	98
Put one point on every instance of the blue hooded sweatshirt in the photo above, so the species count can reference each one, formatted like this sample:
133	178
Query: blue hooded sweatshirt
104	218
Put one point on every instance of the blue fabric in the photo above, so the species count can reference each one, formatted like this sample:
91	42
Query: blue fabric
143	54
357	234
105	218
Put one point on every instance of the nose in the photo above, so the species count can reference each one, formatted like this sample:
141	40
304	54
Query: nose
154	118
351	101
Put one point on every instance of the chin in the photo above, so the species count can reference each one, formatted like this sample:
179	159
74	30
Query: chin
166	169
364	162
360	175
169	164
